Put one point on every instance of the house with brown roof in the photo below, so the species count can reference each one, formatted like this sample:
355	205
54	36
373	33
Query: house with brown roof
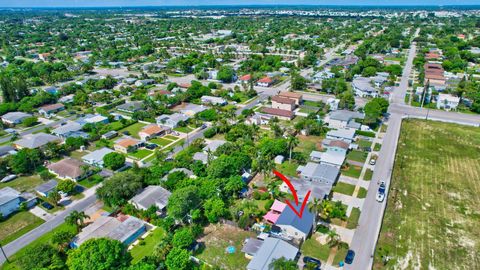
47	110
245	78
69	168
434	75
292	95
265	82
127	144
152	131
279	113
282	103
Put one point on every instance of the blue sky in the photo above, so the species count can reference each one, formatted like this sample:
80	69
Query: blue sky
93	3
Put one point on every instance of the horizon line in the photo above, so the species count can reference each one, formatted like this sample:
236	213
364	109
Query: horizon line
252	5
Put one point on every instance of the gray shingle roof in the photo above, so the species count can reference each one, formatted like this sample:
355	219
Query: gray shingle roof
15	116
36	140
272	249
46	187
152	195
8	194
344	115
304	224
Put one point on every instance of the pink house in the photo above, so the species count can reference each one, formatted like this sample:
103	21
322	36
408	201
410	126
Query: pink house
275	211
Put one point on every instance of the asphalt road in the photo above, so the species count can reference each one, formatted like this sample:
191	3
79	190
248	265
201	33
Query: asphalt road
46	227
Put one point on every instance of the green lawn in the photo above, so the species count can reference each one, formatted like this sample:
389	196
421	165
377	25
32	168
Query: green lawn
356	155
314	249
352	171
377	147
91	181
308	110
46	238
183	129
344	188
288	168
179	142
77	154
140	154
364	143
432	215
368	175
308	144
146	246
352	220
340	256
133	129
17	225
362	193
217	238
24	183
161	141
171	137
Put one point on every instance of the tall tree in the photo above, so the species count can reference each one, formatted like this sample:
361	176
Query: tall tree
99	254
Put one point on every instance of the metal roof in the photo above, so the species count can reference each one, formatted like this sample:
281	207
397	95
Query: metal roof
272	249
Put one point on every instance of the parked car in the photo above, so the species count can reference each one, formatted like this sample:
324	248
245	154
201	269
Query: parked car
373	161
381	192
204	126
8	178
126	132
47	205
151	146
308	259
350	256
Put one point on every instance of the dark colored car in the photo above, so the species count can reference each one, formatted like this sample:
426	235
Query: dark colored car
308	259
47	205
126	132
350	256
151	146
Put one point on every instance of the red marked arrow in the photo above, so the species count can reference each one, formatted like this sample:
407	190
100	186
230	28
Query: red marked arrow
294	193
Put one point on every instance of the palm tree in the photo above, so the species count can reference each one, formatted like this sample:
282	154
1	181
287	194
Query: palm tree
265	165
315	206
76	218
292	142
333	238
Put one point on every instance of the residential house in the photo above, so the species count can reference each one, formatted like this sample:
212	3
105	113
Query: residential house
92	119
95	158
245	78
333	103
335	146
292	95
321	173
191	109
152	131
279	113
211	147
46	188
447	102
151	196
14	118
292	226
110	135
144	82
270	250
9	201
67	99
213	100
68	129
38	140
362	86
331	158
346	135
127	144
69	168
275	211
343	119
434	75
7	150
283	103
48	110
125	229
258	119
51	90
172	120
131	107
251	246
265	82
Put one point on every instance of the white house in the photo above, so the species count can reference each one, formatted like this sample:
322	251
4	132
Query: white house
447	102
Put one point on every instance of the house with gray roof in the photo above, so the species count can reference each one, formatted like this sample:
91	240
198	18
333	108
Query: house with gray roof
346	135
343	119
67	129
95	158
191	109
321	173
33	141
14	118
363	87
293	226
332	158
6	150
172	120
151	196
45	188
213	145
9	201
131	107
270	250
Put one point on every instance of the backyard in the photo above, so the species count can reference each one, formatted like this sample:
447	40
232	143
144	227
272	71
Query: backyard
431	221
133	129
217	238
23	183
147	245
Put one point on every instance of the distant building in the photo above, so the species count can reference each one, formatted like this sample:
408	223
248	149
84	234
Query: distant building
131	107
271	249
265	82
332	158
14	118
191	109
67	129
47	110
298	98
95	158
447	102
213	100
126	145
172	120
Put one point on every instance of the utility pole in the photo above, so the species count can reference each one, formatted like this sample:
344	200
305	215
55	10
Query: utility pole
4	255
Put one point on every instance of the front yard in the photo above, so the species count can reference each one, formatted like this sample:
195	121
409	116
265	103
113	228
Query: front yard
217	237
356	155
17	225
311	247
344	188
140	154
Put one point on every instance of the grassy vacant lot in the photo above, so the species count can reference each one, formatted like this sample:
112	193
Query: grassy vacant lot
344	188
146	246
24	183
308	144
133	129
314	249
140	154
17	225
288	168
217	238
433	207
